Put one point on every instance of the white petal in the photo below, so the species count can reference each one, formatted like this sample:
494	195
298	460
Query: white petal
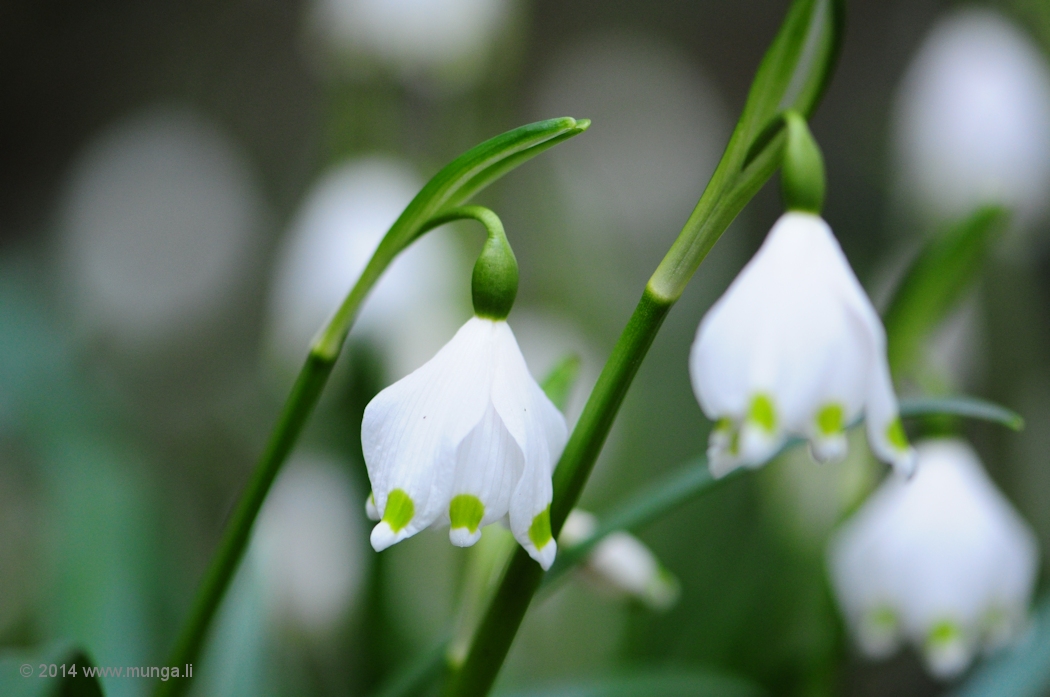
540	431
489	464
411	430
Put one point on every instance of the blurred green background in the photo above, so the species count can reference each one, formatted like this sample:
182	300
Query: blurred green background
157	158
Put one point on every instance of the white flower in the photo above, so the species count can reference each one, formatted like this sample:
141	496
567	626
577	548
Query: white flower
159	218
465	440
621	564
794	347
451	38
973	118
341	222
942	561
309	545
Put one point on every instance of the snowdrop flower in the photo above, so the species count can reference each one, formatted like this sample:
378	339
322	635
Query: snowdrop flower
942	561
158	220
621	564
411	310
469	437
450	38
309	545
794	346
973	119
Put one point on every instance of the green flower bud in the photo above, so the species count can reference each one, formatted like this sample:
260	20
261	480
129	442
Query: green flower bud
802	169
494	283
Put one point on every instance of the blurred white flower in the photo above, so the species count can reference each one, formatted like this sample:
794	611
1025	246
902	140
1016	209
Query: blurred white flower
942	561
972	119
449	38
660	128
466	439
309	545
412	310
794	347
621	564
157	225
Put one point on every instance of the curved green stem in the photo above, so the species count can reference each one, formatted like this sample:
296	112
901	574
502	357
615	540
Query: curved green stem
433	205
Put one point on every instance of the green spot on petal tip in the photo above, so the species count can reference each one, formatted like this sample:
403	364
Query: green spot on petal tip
896	436
540	530
466	511
399	510
830	419
944	632
763	413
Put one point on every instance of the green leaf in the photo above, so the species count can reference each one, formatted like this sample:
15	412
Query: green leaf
1019	671
650	504
28	674
651	683
935	282
969	407
561	379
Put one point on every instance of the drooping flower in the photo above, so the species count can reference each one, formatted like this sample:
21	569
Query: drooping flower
469	437
448	42
973	119
942	561
621	564
794	347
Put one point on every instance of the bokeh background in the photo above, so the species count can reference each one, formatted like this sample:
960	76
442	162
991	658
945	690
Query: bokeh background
188	188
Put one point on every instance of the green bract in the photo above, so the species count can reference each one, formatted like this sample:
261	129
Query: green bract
802	171
494	283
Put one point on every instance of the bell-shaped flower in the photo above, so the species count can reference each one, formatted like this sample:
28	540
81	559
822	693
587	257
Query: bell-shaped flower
469	437
621	564
972	119
794	347
941	561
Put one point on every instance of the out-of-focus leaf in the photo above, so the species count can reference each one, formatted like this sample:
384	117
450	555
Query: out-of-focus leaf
655	683
561	379
936	281
1022	671
969	407
105	554
29	674
416	675
690	480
